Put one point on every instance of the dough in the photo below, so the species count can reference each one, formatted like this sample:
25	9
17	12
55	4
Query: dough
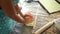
30	24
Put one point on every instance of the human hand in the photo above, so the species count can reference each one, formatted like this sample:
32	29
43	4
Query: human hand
28	17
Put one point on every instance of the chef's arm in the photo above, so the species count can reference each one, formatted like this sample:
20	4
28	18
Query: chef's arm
9	10
19	10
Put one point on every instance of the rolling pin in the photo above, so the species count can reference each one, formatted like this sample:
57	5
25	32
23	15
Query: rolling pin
45	27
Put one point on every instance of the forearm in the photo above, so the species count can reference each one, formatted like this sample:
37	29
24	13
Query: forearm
9	10
19	10
17	18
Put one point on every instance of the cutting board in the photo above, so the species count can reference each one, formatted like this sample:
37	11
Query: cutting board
51	5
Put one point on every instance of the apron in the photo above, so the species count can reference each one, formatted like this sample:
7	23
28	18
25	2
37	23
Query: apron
6	23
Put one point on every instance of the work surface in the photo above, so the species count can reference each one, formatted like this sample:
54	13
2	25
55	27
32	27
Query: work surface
41	17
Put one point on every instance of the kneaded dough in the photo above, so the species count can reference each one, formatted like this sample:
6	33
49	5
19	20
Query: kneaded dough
30	24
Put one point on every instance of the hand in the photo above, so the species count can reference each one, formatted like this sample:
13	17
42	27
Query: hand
28	17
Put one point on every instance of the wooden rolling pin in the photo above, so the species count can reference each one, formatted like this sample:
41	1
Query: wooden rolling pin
45	27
